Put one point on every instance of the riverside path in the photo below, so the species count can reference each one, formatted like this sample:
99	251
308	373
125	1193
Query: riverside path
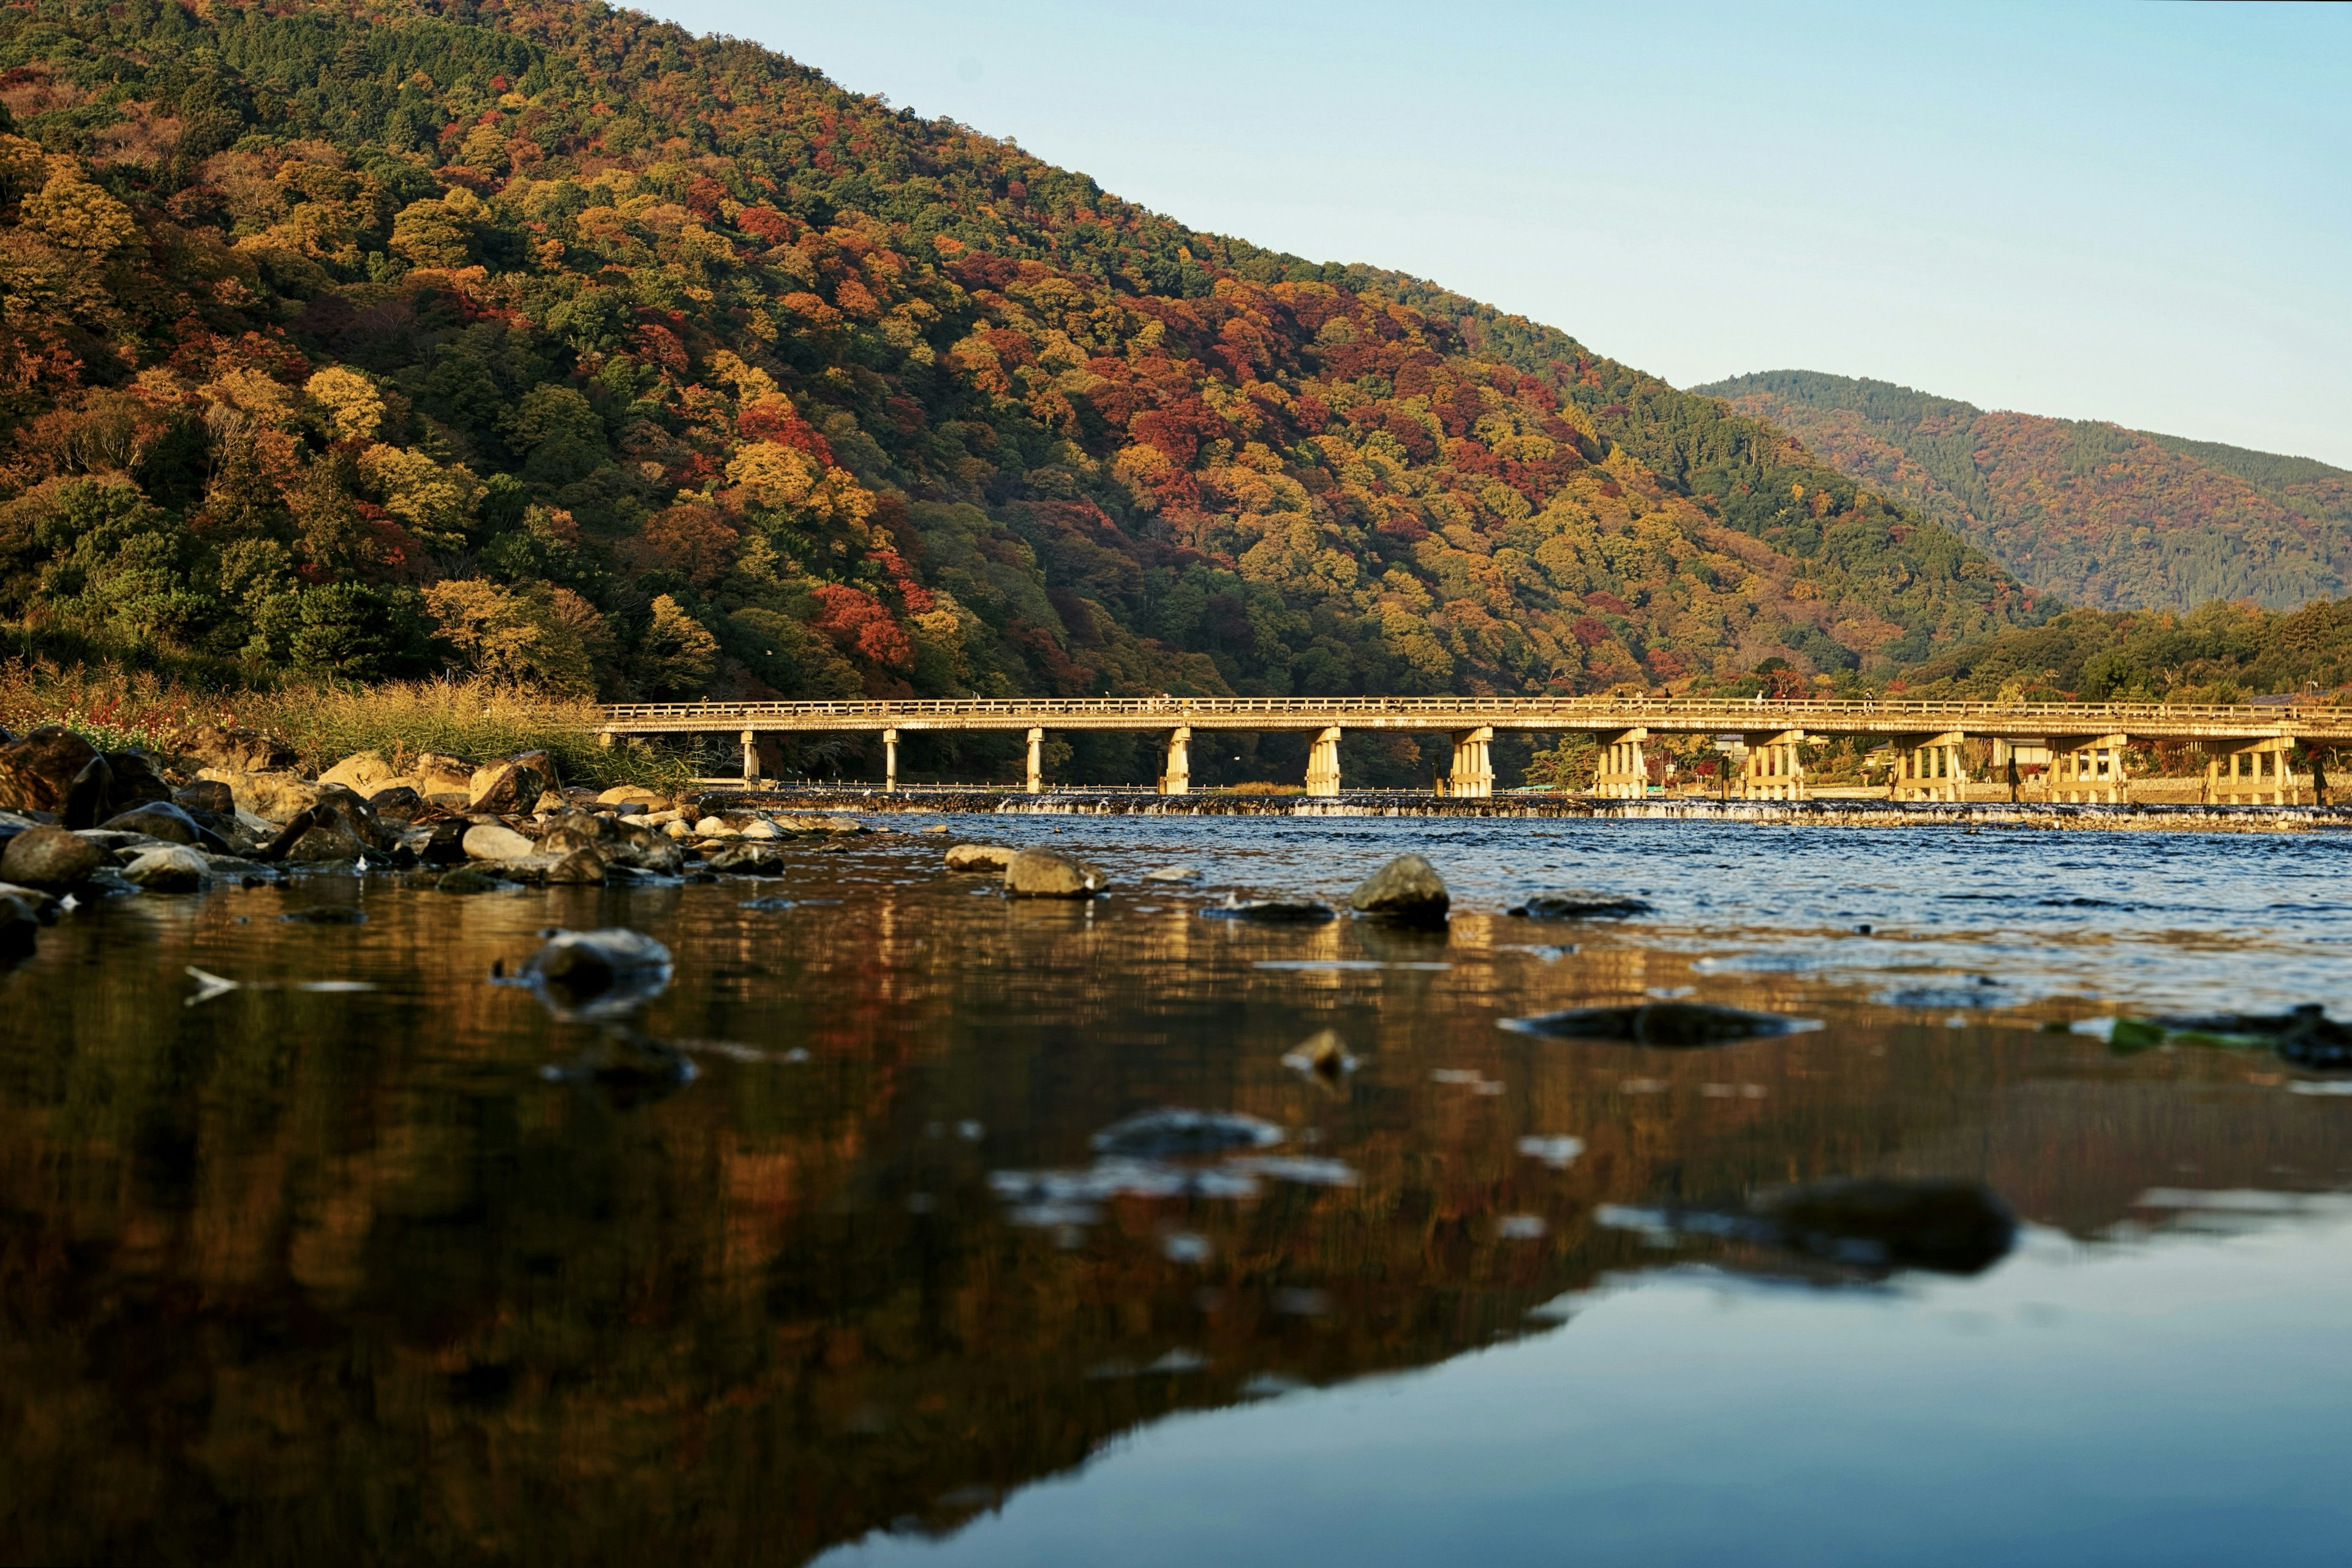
2082	744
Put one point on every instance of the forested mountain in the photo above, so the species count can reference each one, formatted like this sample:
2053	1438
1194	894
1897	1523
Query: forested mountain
2088	511
554	343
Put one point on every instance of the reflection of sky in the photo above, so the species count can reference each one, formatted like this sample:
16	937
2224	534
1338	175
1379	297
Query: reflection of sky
2185	1400
2148	918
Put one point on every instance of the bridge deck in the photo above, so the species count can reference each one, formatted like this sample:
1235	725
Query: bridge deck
1993	721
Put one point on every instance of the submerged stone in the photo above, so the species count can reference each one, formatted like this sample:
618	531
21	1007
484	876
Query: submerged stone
594	973
1161	1134
2306	1036
1580	907
1407	889
1671	1024
1878	1224
465	880
1273	911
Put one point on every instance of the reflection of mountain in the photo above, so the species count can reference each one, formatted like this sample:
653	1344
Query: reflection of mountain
283	1270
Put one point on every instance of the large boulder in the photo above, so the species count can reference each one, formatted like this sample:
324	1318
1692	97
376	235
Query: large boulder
49	858
583	865
1407	890
505	788
338	808
633	794
400	802
86	798
138	777
327	842
436	775
158	819
980	856
362	772
173	870
206	794
496	841
239	750
37	771
273	796
1044	874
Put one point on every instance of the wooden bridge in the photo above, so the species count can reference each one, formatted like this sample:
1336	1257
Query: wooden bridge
2082	744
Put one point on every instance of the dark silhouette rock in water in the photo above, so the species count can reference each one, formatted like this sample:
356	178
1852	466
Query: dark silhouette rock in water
466	880
598	973
49	858
1673	1025
626	1068
1272	912
1042	874
1163	1135
2306	1036
87	797
327	915
1877	1225
1407	890
1580	907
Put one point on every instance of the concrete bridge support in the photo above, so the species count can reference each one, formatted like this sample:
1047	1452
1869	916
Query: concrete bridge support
1775	769
750	756
1036	761
2088	769
1473	767
1932	767
1323	764
2233	787
1177	779
889	762
1624	772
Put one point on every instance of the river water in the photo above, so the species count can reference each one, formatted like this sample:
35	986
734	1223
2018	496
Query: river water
408	1268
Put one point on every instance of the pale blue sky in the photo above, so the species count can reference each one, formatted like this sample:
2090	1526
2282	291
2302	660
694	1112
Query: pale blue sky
2140	213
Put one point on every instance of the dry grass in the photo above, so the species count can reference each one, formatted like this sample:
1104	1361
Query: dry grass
115	708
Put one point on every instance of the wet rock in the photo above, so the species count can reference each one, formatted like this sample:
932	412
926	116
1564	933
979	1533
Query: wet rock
1172	874
581	867
38	769
343	810
746	861
1407	890
49	858
1671	1024
39	902
445	842
646	853
584	973
1173	1132
1044	874
86	797
138	778
494	841
769	905
400	802
1879	1225
466	880
326	915
157	819
282	845
208	795
240	750
820	822
505	788
1273	911
1580	907
980	856
1322	1055
362	772
171	870
326	844
2306	1036
628	1069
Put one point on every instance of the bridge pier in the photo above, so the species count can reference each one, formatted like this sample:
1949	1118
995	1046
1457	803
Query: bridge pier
1624	772
889	762
2088	769
1177	779
1775	769
1473	776
1323	764
750	756
1932	767
2234	788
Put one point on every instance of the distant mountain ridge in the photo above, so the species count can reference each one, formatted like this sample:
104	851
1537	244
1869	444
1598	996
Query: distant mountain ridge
2096	514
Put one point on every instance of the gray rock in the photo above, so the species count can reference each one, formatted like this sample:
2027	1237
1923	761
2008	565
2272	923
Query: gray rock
980	856
1675	1026
466	880
494	841
1044	874
49	858
1580	907
326	845
1407	889
598	973
172	870
746	860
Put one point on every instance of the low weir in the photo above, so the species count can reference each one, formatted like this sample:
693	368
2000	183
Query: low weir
2080	746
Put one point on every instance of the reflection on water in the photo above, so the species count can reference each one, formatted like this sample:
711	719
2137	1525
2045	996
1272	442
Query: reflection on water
863	1224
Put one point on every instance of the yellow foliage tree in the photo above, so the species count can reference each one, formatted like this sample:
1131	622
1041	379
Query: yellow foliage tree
354	408
68	211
